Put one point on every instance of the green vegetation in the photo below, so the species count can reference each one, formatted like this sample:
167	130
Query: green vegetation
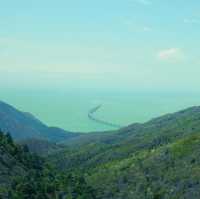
156	160
159	159
27	176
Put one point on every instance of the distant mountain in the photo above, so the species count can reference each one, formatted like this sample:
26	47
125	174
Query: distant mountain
23	125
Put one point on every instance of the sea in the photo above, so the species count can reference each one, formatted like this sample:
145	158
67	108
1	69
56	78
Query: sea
69	109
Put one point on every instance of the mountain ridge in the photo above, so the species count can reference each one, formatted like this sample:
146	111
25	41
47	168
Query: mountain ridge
23	125
159	159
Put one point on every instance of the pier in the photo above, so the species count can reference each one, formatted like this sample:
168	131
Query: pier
92	117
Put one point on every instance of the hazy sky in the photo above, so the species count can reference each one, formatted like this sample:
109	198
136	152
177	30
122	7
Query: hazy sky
126	44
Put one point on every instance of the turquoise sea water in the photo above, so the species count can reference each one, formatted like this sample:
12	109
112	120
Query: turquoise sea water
69	110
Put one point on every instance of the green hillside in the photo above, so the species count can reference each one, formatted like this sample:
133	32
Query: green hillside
27	176
155	160
169	171
98	148
159	159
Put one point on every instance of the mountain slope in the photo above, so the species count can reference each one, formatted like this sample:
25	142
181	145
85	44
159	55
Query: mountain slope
23	125
100	148
169	171
180	123
41	147
15	164
159	159
24	175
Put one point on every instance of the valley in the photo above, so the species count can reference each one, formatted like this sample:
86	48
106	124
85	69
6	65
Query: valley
100	99
140	161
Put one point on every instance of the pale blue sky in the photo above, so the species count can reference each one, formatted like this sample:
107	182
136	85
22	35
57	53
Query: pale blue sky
126	44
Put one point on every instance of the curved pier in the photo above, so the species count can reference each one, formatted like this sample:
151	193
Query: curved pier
92	117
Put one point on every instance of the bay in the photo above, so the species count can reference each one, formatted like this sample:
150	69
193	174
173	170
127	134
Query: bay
69	109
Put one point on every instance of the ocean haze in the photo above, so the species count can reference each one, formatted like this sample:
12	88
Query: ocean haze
69	110
60	58
121	44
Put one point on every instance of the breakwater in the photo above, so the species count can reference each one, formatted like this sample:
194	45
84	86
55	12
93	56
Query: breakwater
91	116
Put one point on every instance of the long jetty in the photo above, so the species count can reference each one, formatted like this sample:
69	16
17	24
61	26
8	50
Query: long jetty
92	117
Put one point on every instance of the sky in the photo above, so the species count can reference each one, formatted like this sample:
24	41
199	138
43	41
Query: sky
109	44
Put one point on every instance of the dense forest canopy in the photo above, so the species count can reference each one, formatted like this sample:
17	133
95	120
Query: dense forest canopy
24	175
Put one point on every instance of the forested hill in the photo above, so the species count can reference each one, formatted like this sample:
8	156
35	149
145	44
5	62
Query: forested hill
159	159
27	176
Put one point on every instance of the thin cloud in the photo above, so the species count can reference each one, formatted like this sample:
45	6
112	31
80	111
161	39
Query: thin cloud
171	54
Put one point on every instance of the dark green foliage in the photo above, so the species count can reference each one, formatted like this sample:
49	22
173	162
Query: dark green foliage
28	176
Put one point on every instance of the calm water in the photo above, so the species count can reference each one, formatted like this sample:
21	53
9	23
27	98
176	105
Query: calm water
69	109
